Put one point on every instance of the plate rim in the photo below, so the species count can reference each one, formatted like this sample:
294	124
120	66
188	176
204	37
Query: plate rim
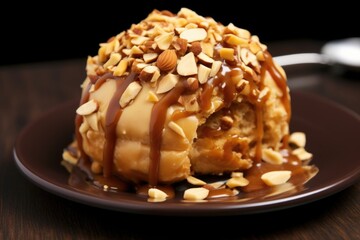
198	209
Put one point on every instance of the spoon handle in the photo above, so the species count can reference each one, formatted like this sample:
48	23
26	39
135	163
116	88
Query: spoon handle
301	58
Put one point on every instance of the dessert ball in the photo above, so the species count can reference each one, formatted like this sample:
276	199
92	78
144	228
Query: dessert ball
179	95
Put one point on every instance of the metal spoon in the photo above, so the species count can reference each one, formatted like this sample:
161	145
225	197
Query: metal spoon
344	52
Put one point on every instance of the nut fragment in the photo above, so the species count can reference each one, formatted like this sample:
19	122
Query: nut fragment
193	34
149	74
149	57
167	83
237	182
215	67
157	194
91	119
130	93
274	178
203	73
68	157
87	108
121	67
298	139
167	60
192	84
235	40
195	48
302	154
187	65
205	58
164	40
113	60
176	128
152	97
199	193
271	156
227	53
195	181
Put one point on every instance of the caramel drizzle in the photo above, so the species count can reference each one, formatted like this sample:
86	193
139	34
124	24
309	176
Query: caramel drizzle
280	82
112	118
157	122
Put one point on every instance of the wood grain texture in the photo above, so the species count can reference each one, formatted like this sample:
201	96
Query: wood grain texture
27	212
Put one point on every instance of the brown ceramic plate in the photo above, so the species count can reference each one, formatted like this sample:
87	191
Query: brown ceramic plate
333	134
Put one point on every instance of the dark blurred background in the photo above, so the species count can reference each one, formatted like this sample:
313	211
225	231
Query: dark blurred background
32	32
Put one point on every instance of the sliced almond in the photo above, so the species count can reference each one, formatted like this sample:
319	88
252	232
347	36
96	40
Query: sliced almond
150	57
227	54
302	154
87	108
167	60
205	58
136	51
274	178
113	60
235	40
84	127
217	185
260	56
164	40
92	121
264	94
254	47
193	34
187	65
157	194
139	40
152	97
215	67
101	54
192	84
120	69
271	156
199	193
204	24
126	51
195	181
237	182
191	25
203	73
247	56
207	48
130	93
179	30
167	83
176	128
243	87
237	174
138	65
69	158
181	46
149	74
298	139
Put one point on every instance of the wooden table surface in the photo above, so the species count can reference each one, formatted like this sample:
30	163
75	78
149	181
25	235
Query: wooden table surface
28	212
